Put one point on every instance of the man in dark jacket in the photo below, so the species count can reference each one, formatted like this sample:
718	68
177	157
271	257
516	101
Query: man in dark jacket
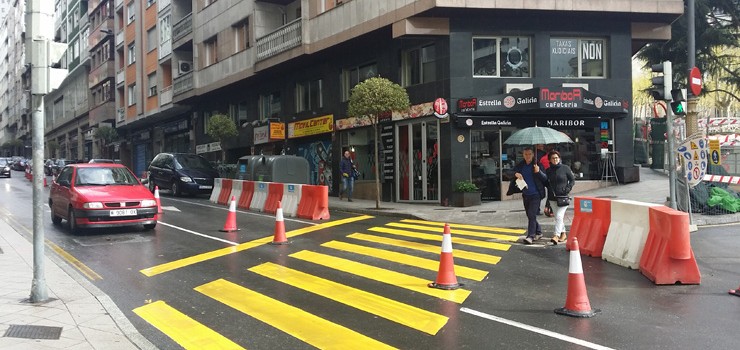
347	167
529	171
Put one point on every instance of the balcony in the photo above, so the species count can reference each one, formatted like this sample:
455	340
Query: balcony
103	112
183	27
165	49
121	76
101	73
183	83
120	115
119	38
165	96
281	40
162	4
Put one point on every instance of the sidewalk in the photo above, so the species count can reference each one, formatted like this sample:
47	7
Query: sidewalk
85	316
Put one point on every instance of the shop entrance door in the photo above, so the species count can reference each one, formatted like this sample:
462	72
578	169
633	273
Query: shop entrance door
418	161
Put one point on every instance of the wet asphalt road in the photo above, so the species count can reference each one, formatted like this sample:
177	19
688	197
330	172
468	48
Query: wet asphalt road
512	307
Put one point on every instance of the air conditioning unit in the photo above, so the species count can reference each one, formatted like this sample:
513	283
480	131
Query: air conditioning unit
184	67
518	87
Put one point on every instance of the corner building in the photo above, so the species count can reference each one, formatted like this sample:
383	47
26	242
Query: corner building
283	70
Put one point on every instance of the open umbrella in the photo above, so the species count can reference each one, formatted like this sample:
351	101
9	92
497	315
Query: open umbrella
537	135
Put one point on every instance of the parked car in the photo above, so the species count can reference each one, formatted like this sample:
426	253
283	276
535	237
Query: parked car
19	164
100	160
59	164
181	173
100	195
4	168
48	167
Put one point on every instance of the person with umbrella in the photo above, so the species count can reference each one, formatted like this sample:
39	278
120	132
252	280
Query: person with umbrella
560	181
529	171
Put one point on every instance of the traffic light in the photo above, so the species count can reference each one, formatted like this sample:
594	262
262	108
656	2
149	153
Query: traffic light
662	84
678	105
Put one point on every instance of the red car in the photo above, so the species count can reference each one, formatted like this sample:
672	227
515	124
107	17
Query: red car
101	195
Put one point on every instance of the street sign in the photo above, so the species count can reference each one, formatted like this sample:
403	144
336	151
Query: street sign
694	153
440	108
695	81
714	155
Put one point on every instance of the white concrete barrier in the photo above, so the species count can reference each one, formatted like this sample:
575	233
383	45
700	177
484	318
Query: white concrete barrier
628	231
236	189
291	198
217	185
260	195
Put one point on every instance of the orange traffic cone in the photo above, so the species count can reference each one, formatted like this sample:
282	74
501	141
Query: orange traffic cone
230	225
45	185
279	237
735	292
446	278
576	301
156	198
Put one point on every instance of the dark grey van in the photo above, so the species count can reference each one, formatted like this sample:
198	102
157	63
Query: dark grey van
182	173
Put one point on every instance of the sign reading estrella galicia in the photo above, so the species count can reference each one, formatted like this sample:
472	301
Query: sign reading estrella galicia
586	206
542	99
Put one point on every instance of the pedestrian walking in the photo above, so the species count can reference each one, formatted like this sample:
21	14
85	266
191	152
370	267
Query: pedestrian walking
348	168
529	171
560	181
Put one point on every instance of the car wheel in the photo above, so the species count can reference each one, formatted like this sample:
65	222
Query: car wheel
176	189
71	223
55	219
151	184
150	226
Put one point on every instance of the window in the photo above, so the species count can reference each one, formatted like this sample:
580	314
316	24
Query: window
131	12
501	57
356	75
269	105
132	94
419	65
308	95
106	91
152	80
241	36
242	112
105	52
150	2
131	54
211	51
151	39
165	32
577	58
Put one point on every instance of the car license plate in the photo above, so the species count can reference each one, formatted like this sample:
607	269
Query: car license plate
123	212
205	187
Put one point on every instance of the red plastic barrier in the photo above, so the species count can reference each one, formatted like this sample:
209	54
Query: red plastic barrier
314	202
591	224
246	197
274	195
667	257
223	197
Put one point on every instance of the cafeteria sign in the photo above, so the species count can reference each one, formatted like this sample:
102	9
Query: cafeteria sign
313	126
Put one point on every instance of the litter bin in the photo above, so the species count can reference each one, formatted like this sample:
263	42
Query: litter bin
277	168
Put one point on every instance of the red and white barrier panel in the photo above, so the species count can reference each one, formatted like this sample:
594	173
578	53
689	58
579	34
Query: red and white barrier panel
719	121
733	180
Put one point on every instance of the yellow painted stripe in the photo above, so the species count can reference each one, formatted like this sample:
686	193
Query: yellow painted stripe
407	315
88	272
401	280
187	332
472	227
458	253
415	261
172	265
291	320
454	231
455	239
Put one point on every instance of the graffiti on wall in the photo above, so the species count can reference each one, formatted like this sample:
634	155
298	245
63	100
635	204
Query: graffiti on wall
318	154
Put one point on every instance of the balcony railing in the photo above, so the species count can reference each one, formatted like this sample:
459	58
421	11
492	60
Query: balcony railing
162	4
120	115
119	38
120	77
165	96
281	40
183	27
183	83
165	49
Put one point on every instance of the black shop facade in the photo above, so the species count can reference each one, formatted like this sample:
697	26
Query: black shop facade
486	122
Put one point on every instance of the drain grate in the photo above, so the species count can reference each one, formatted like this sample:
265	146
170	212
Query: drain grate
487	211
33	332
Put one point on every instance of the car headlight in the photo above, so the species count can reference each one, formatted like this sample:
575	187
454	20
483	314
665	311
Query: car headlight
148	203
7	168
93	205
186	179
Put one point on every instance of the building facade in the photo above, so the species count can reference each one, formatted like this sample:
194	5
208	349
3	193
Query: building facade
15	117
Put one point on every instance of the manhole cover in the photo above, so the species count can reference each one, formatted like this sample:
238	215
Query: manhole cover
33	332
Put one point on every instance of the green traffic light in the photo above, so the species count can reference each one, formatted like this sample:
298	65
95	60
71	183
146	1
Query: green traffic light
679	109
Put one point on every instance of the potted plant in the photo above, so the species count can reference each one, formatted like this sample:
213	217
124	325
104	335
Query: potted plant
466	194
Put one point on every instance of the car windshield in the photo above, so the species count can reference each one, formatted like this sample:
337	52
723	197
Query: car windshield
104	177
192	162
3	162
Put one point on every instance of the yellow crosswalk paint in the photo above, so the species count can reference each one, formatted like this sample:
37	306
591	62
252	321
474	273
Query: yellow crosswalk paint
423	263
300	324
435	249
471	227
455	239
407	315
187	332
454	231
402	280
173	265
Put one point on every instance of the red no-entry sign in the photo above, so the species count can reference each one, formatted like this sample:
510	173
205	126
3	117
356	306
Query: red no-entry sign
695	81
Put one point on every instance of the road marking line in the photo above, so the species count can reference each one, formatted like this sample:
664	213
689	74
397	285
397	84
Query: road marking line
187	332
173	265
455	239
401	258
240	211
394	278
463	254
199	234
407	315
289	319
454	231
535	329
472	227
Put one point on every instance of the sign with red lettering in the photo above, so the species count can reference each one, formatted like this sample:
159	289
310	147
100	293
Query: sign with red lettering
313	126
543	99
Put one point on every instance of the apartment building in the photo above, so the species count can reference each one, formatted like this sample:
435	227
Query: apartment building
15	117
284	69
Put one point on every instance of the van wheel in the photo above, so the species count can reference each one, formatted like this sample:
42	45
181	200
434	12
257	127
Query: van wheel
176	189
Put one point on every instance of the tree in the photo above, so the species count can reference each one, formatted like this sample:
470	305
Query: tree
107	135
371	98
220	127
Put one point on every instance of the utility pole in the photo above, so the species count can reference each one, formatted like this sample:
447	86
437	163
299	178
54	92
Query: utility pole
41	52
661	91
692	123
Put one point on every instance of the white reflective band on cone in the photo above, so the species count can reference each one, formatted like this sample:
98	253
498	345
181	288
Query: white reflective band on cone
575	262
232	205
279	214
446	243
